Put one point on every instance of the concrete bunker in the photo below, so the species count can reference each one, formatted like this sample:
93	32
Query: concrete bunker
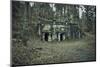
59	31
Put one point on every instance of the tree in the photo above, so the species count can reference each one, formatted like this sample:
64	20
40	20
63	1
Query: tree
90	18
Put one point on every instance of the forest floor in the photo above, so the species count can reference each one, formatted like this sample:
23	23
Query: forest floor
64	51
39	52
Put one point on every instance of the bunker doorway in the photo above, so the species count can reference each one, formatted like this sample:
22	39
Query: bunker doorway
46	36
61	36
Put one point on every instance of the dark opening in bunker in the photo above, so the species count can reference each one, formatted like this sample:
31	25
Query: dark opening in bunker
61	36
46	36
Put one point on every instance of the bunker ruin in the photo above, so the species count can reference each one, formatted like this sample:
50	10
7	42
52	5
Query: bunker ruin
54	30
